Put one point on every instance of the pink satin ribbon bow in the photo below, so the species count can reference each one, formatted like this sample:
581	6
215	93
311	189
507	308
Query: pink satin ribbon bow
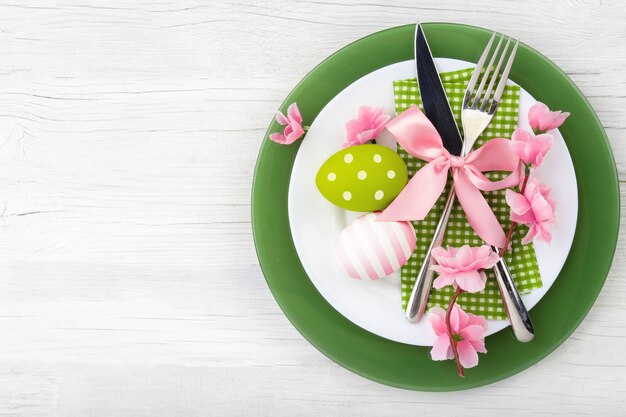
416	134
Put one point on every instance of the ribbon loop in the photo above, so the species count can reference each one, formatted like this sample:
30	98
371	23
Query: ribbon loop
416	134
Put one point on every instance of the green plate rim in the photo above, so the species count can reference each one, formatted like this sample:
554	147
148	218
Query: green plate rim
556	316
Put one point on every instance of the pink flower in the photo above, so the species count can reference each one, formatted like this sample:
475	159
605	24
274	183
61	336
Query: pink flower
529	148
368	124
293	126
463	266
468	331
534	208
541	119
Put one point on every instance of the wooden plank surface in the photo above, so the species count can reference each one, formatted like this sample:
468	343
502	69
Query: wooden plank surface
129	284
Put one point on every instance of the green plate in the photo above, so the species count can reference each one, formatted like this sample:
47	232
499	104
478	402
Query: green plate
405	366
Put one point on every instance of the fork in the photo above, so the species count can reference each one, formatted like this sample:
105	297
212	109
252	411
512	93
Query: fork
479	107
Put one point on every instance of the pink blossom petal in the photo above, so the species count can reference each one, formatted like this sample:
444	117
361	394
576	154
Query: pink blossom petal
467	354
294	113
520	136
477	321
545	142
454	319
482	262
519	149
546	192
452	251
532	231
278	138
537	147
436	318
473	332
550	121
441	348
442	280
535	112
440	251
364	114
478	345
471	281
463	317
536	151
490	261
560	119
366	135
445	269
519	145
381	121
518	203
281	119
293	133
353	127
454	262
446	258
482	252
542	210
527	218
465	255
544	232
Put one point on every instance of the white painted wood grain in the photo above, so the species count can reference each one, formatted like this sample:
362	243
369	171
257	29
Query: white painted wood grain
128	280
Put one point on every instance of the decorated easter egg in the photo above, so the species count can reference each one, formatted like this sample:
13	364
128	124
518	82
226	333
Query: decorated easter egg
362	177
367	249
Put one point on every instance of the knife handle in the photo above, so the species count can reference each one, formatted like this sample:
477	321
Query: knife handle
424	280
515	309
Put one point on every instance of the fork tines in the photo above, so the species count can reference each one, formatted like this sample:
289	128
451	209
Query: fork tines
482	99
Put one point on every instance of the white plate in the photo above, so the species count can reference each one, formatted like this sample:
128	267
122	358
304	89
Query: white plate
315	223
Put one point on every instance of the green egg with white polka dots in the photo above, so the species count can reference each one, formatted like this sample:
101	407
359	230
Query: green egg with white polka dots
362	177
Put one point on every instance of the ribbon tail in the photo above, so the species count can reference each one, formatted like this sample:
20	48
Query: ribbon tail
479	214
483	183
419	196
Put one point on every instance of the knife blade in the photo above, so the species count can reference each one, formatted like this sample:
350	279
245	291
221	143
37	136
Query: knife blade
434	99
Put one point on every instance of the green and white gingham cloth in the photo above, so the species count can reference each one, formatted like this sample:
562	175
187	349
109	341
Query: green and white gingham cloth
521	259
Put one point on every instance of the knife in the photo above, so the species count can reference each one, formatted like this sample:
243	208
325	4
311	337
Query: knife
437	110
434	99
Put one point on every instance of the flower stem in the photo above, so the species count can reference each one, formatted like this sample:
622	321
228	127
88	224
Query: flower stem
509	235
450	335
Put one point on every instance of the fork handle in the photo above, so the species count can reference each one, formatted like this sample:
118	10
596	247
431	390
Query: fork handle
424	280
515	309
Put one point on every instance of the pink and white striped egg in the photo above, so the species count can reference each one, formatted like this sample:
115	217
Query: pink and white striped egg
369	250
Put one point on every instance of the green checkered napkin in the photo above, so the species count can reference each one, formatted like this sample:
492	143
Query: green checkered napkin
521	259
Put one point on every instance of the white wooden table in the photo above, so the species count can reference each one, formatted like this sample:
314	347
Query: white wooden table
129	284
